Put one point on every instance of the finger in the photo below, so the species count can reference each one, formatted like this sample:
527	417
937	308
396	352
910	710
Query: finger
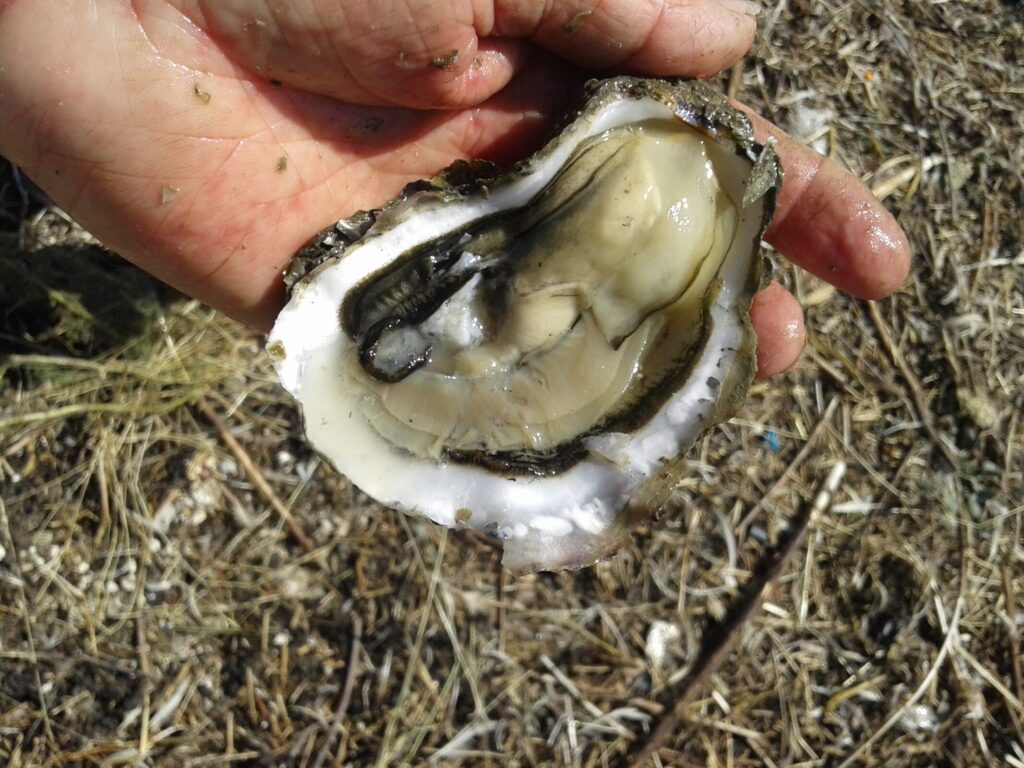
778	321
692	38
459	53
384	52
830	224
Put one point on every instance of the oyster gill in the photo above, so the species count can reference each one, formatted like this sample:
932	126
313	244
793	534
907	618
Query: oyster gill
529	353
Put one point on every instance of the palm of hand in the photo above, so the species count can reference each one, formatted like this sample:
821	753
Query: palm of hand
208	143
221	173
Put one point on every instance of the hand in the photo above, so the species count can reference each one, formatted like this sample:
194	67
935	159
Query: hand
207	140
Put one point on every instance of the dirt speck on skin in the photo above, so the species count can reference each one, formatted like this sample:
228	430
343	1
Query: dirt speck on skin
169	193
367	128
282	164
577	21
202	95
446	61
156	577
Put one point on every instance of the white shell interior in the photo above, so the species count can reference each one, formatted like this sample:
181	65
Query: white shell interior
539	517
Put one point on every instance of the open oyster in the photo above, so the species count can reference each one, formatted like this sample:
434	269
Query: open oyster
530	353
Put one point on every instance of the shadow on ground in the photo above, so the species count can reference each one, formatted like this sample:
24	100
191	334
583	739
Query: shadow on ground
78	300
60	292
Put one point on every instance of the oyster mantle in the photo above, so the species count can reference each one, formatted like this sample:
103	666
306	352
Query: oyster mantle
530	352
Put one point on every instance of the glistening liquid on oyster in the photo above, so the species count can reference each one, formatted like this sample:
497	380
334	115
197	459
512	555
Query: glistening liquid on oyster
558	320
522	352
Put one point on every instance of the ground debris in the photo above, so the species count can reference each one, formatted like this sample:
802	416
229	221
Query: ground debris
176	590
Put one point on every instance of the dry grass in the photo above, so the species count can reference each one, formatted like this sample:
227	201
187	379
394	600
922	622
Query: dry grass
156	608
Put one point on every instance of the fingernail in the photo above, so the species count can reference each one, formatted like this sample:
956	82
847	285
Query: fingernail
742	7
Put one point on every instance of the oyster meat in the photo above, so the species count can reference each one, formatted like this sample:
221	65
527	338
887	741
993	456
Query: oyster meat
530	352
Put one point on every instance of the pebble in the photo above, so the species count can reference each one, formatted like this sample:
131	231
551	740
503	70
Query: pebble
281	639
918	718
660	635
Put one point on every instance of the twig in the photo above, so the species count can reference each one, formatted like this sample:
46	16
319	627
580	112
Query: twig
568	684
77	409
256	477
101	368
146	674
502	605
735	80
1008	454
1014	637
719	641
346	692
454	747
169	706
924	413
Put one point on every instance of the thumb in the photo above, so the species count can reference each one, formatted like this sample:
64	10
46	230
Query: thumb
459	53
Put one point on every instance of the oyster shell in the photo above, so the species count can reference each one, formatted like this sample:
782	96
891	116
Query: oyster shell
530	353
